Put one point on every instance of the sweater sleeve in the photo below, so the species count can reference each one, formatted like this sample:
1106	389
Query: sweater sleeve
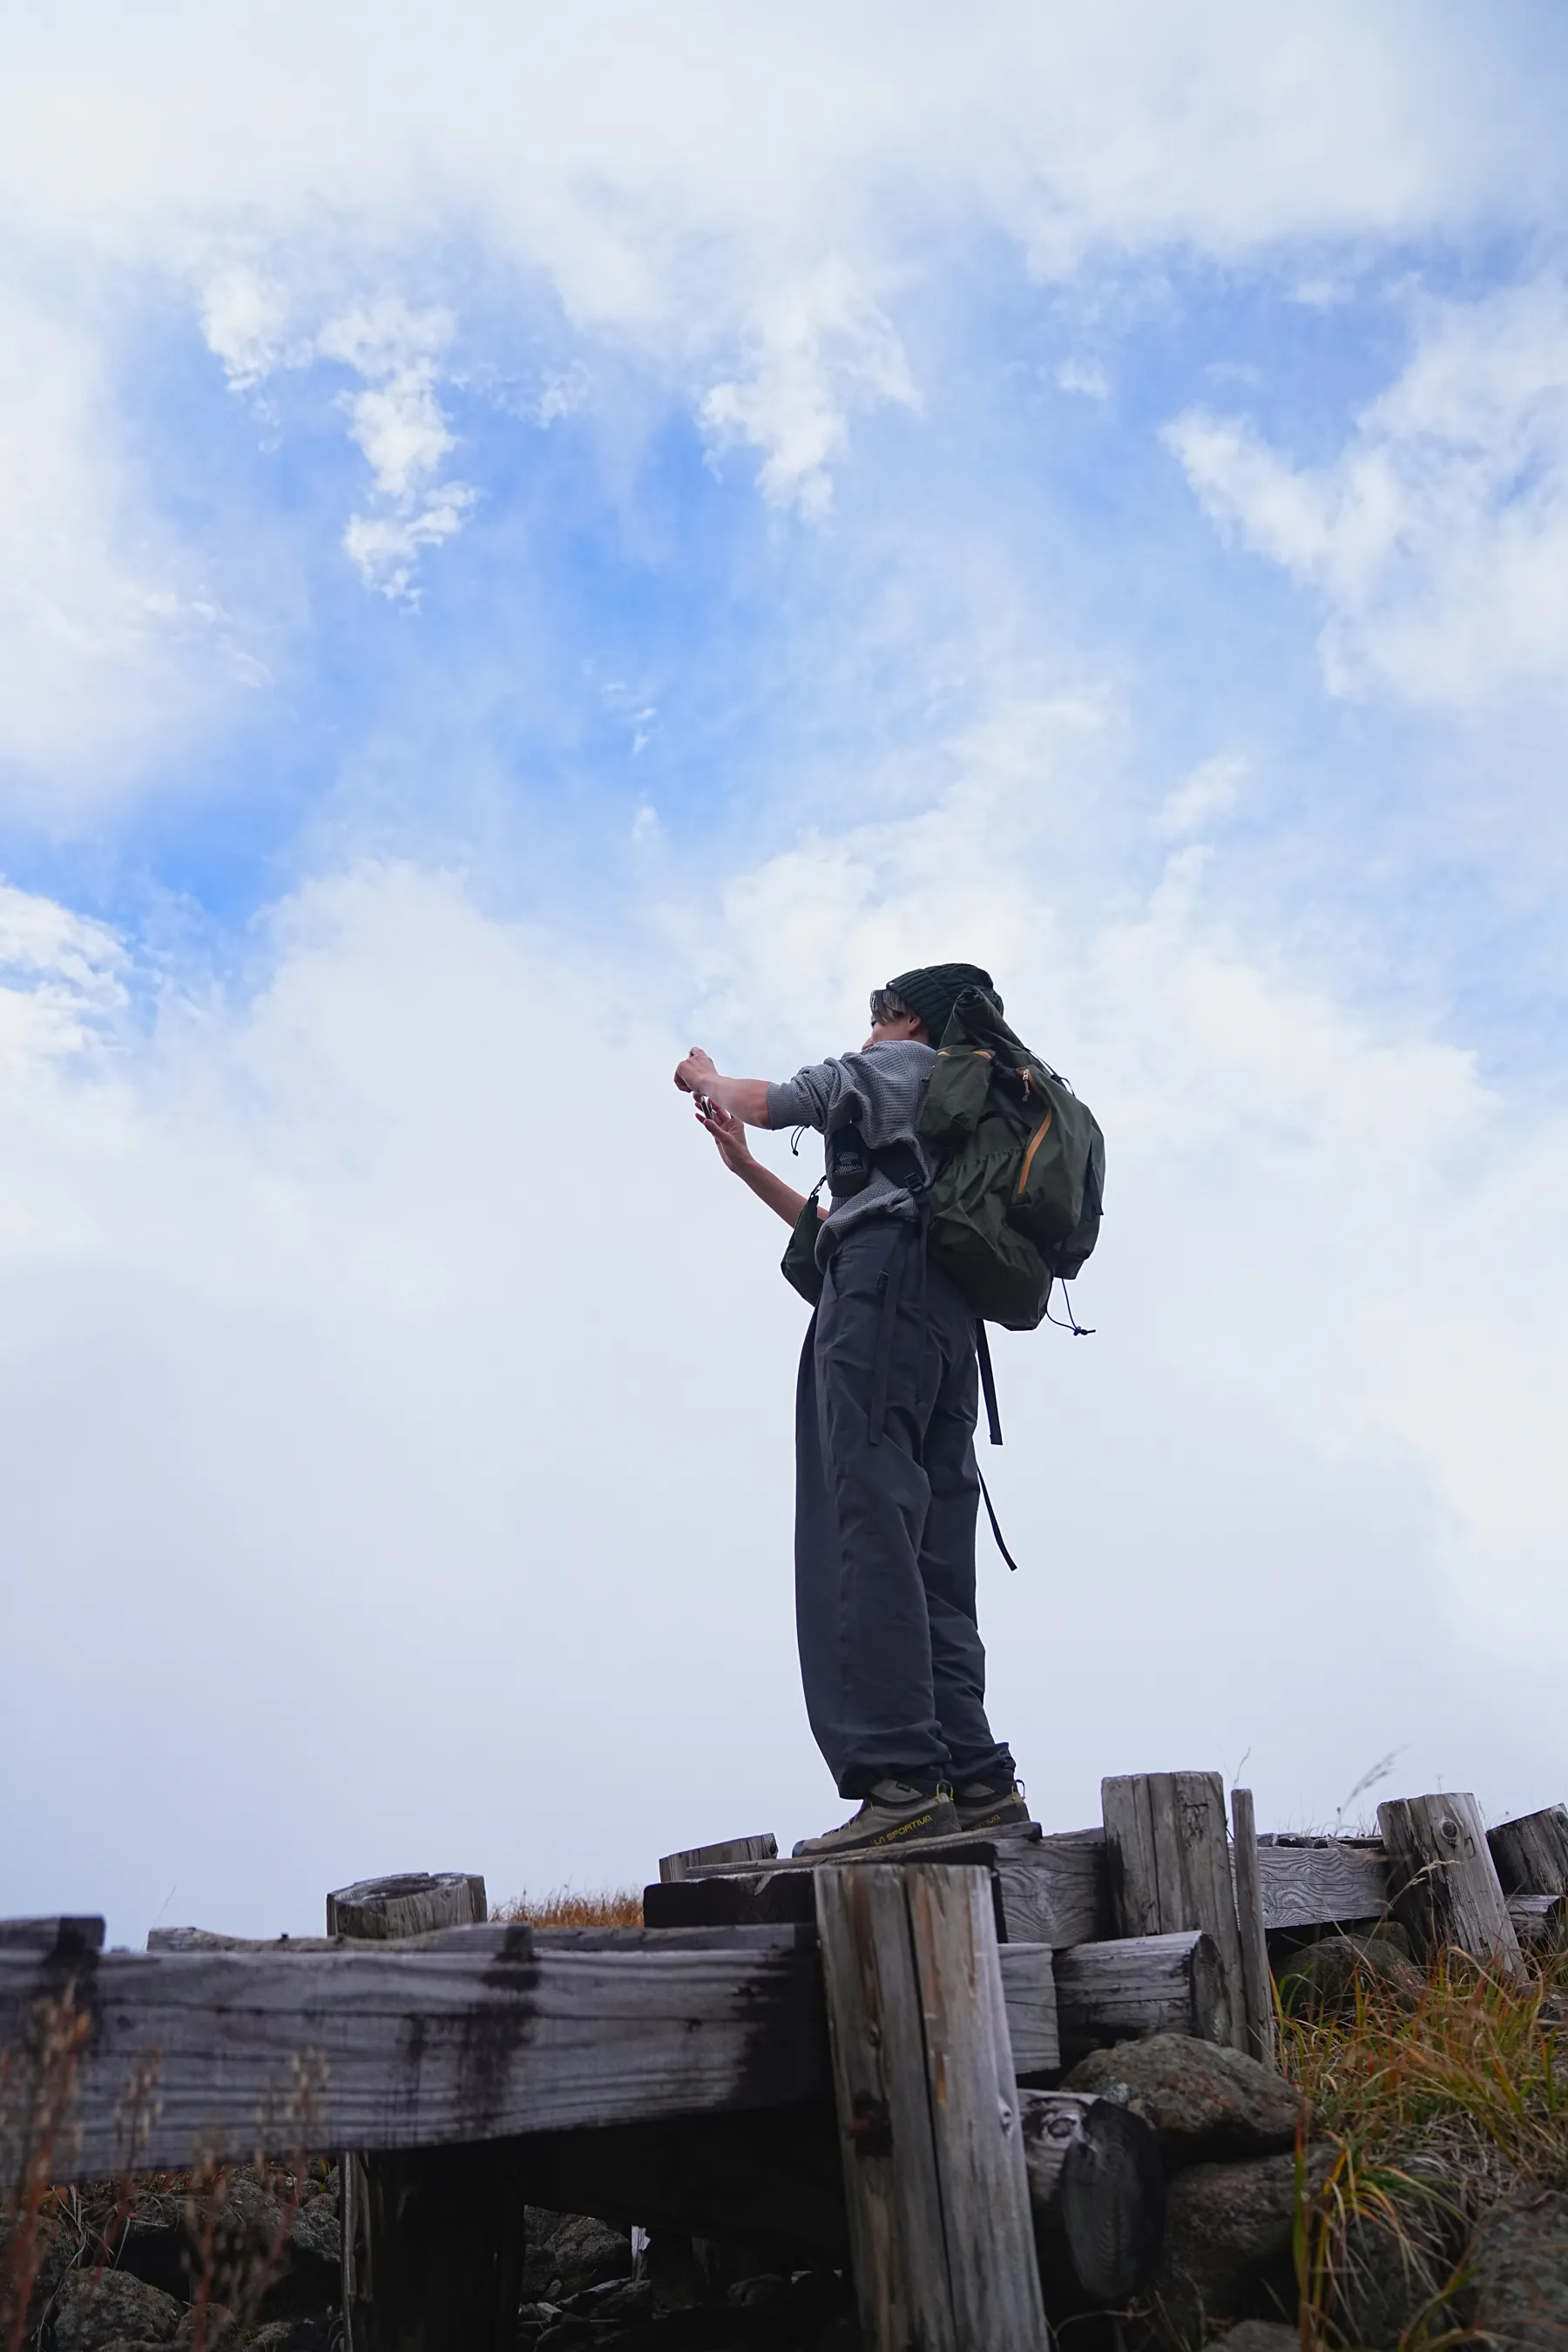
823	1092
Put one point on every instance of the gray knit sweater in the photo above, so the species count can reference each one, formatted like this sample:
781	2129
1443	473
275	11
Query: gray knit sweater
879	1091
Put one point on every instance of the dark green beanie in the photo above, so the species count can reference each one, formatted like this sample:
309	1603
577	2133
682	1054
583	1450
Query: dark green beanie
933	990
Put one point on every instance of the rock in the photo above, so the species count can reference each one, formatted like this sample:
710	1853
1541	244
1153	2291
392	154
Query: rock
1263	2335
1323	1977
1226	2253
209	2327
1519	2262
569	2251
95	2307
1203	2101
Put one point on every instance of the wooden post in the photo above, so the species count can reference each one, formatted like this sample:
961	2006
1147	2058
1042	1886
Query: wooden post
928	2115
1169	1867
1532	1853
1257	1983
433	2238
735	1852
1444	1882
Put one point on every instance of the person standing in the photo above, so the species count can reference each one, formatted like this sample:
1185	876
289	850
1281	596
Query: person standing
886	1488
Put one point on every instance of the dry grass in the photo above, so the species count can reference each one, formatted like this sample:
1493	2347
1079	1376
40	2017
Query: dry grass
563	1907
1433	2109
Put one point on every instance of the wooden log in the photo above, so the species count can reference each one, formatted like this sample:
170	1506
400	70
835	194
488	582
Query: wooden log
927	2110
1138	1985
379	1909
1097	2189
673	1866
1256	1984
1540	1921
1029	1990
1531	1853
65	1939
1444	1880
1320	1882
373	2046
1168	1864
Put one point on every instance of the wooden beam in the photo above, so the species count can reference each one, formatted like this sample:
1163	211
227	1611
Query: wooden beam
928	2109
1139	1985
1029	1988
1169	1864
673	1866
1445	1883
378	1910
1097	2189
1256	1984
1320	1882
381	2046
1540	1921
1531	1853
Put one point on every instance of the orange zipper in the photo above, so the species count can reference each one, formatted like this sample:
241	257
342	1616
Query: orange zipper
1034	1141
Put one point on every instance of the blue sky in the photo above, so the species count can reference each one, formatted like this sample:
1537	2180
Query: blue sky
525	546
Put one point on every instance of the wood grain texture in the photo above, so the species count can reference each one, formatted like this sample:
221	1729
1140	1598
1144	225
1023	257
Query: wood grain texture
1098	2189
673	1866
369	2047
1256	1984
378	1910
1540	1921
976	2122
1531	1853
1029	1988
1320	1884
1168	1861
887	2141
1121	1990
1444	1882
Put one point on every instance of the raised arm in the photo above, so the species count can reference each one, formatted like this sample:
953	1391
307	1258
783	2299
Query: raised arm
744	1098
730	1136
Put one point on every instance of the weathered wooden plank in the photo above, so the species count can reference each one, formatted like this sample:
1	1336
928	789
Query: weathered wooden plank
1531	1853
1256	1984
63	1937
927	2108
371	2048
1029	1988
1444	1880
1097	2189
888	2150
1540	1921
1169	1868
976	2125
1320	1882
1138	1985
1054	1890
726	1855
510	1937
377	1910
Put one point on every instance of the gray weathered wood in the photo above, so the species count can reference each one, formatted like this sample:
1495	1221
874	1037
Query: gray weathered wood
1169	1867
927	2108
1444	1882
1256	1984
63	1937
380	1909
1098	2188
1531	1853
891	2183
1029	1988
1053	1889
1138	1985
507	1937
1320	1882
376	2047
1540	1921
673	1866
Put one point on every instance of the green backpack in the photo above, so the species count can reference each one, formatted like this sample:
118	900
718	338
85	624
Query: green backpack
1016	1201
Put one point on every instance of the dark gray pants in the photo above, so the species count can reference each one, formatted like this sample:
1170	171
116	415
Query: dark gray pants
886	1497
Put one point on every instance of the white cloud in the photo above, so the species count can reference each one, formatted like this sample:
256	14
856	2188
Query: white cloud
1438	536
821	348
1210	790
1085	376
396	420
245	320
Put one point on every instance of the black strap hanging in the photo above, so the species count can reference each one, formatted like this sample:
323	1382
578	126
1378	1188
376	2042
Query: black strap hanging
995	1523
988	1390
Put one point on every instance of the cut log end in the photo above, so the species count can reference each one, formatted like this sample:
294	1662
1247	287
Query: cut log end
1097	2188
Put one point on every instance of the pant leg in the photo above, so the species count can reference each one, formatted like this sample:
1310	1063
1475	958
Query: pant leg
947	1548
819	1569
874	1377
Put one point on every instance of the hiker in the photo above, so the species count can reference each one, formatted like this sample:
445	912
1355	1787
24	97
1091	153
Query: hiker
887	1487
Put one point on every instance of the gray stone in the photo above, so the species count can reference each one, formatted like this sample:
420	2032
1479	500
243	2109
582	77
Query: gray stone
1263	2335
210	2327
1227	2249
1203	2101
1390	2274
1324	1978
570	2252
95	2307
1519	2261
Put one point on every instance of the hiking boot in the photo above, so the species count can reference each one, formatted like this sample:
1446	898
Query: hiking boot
991	1805
895	1813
